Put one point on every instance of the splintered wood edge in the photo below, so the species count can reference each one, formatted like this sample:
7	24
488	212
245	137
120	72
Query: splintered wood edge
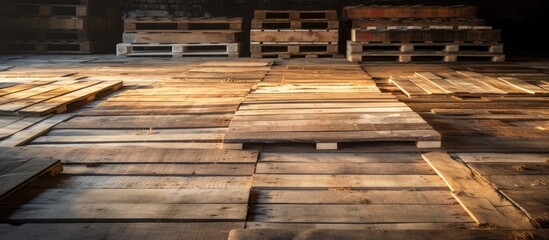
326	146
428	144
233	146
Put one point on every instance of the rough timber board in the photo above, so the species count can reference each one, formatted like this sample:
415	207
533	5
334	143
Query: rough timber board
130	155
375	234
181	24
26	172
129	196
476	196
97	212
36	130
288	36
132	230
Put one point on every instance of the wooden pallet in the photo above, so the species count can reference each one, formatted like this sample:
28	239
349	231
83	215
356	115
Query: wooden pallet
178	24
419	56
405	11
295	14
50	10
357	47
178	50
282	114
50	97
418	22
422	35
294	48
216	36
299	35
17	172
83	47
427	83
59	23
295	24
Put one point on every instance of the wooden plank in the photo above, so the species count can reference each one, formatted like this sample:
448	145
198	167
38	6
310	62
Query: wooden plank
360	226
129	196
22	87
407	86
440	82
493	82
427	86
97	212
13	128
478	198
8	163
144	122
32	100
341	157
345	168
377	234
135	155
374	197
34	131
316	137
38	90
117	230
25	173
510	168
354	213
240	63
147	135
522	85
59	104
502	157
145	182
162	169
284	181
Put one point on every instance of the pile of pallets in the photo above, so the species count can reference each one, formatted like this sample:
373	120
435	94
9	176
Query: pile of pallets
59	26
179	37
420	33
291	33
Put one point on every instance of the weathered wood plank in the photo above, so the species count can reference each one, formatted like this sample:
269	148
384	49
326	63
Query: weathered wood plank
349	234
336	196
91	231
143	182
341	157
162	169
133	155
483	203
25	173
314	213
502	157
345	168
97	212
34	131
283	181
130	196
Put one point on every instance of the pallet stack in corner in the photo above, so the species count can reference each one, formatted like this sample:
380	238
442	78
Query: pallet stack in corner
59	26
292	33
178	37
420	33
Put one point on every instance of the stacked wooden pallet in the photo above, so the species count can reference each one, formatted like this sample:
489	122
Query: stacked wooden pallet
286	34
420	33
179	37
58	26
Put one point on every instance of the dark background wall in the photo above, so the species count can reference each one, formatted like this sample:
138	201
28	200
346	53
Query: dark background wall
523	22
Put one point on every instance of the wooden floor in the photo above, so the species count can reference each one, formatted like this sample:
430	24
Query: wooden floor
147	161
